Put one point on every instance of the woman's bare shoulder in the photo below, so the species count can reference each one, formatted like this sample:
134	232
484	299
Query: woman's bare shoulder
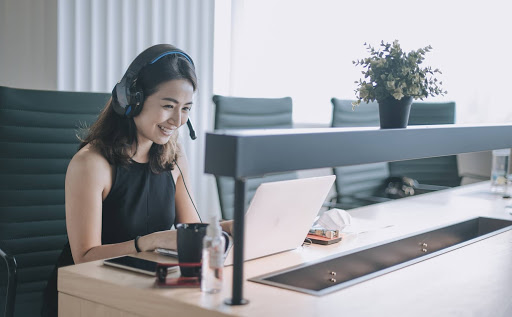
89	160
89	155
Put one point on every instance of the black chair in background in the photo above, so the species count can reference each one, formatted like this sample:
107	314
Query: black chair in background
249	113
38	138
361	185
440	171
358	185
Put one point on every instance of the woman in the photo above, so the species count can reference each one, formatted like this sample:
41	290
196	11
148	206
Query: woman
123	190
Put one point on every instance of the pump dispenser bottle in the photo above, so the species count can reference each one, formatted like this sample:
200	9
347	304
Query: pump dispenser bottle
213	258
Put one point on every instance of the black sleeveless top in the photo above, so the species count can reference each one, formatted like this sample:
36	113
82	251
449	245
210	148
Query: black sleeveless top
139	203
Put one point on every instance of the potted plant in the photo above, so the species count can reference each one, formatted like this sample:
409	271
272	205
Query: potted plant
394	79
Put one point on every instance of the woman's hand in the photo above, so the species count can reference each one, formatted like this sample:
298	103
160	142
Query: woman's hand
161	239
227	226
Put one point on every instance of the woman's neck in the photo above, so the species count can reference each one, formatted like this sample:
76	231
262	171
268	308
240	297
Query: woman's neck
142	154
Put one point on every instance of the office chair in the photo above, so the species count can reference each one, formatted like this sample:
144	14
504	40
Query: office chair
358	185
361	185
249	113
440	171
38	138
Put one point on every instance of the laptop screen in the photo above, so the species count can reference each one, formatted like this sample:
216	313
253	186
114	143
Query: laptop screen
281	214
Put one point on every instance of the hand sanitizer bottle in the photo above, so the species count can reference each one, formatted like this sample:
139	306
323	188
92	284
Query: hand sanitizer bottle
213	258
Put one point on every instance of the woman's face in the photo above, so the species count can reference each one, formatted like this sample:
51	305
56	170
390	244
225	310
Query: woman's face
164	111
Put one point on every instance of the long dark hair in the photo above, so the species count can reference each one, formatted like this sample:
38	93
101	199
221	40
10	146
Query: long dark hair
113	135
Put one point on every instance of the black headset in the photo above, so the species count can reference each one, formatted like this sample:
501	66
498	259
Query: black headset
128	98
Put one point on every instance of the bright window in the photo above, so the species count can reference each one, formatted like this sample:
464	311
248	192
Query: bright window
304	49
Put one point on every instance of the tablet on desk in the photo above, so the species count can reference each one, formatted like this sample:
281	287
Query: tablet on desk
135	264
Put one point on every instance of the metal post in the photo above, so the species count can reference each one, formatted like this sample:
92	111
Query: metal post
238	241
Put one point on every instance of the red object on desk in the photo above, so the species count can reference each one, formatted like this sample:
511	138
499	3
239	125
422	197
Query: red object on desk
322	240
179	282
163	281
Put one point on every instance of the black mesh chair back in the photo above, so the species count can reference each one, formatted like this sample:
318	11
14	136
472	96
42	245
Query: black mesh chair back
443	170
357	185
249	113
38	138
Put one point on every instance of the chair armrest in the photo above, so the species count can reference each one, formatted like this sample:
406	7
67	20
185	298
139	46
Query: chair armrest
12	276
407	186
426	188
362	198
476	176
372	199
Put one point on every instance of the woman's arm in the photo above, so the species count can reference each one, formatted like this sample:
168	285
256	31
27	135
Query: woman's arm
88	176
88	182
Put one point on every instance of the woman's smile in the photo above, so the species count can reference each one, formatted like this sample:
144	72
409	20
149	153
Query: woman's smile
167	131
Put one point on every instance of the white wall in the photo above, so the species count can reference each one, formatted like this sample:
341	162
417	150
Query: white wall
304	49
28	44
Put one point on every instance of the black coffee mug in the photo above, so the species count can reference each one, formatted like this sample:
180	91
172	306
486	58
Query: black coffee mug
190	247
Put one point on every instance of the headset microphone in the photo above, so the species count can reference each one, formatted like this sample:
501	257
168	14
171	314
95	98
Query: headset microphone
192	133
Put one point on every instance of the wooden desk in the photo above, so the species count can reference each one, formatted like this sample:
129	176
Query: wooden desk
474	280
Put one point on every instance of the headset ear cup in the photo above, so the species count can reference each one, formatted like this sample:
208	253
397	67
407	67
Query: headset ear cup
138	100
115	103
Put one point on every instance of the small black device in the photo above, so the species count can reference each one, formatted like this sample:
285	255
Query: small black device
134	264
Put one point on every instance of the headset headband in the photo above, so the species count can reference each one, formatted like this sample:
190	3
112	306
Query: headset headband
173	52
124	97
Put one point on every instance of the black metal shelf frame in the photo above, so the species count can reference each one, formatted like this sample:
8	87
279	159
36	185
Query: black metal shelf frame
243	154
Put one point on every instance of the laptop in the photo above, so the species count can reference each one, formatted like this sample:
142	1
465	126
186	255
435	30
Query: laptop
281	214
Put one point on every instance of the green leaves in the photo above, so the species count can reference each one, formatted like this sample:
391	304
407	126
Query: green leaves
389	71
